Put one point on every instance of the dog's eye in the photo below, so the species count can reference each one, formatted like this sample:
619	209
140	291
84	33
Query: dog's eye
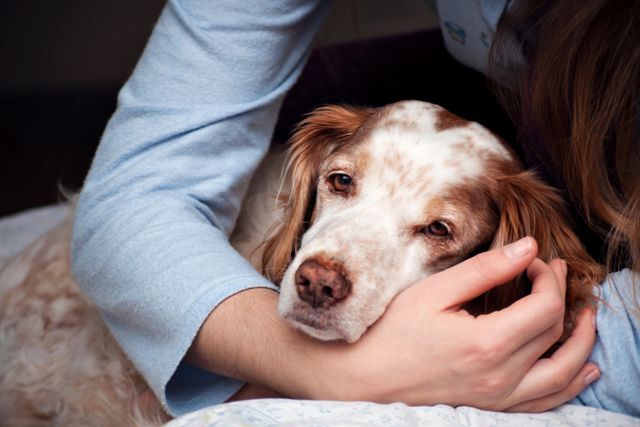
437	229
340	182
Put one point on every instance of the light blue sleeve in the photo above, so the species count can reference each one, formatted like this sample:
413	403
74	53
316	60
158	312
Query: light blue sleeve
617	349
150	242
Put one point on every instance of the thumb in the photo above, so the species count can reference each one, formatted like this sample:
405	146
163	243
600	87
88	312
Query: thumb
475	276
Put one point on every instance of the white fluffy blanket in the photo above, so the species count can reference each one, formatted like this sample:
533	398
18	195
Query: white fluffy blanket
304	413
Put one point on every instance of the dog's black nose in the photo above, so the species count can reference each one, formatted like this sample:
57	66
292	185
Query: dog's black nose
321	283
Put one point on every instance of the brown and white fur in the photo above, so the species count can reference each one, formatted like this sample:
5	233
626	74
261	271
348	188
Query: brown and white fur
427	189
415	168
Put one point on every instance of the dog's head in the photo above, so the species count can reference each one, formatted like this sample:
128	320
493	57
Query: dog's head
382	198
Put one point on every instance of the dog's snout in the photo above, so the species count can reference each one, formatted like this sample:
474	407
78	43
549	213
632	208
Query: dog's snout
321	284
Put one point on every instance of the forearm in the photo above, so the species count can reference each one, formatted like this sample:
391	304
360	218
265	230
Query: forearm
244	338
420	351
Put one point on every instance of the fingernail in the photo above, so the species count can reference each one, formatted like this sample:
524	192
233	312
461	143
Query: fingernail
518	249
592	376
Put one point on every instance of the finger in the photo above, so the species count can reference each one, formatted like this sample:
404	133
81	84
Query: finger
530	352
533	314
475	276
559	267
539	269
588	374
553	375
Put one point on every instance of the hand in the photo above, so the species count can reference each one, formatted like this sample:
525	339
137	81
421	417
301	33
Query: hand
427	350
424	350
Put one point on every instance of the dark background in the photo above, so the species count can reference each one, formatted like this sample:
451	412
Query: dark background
61	65
63	62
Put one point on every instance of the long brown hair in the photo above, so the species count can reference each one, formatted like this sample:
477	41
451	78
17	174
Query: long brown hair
569	75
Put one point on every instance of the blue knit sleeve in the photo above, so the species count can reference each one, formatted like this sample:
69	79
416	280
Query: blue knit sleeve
617	349
150	243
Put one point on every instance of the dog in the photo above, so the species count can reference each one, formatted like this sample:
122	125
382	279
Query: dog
382	198
378	199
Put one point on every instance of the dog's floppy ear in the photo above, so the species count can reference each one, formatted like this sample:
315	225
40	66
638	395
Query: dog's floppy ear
323	132
528	207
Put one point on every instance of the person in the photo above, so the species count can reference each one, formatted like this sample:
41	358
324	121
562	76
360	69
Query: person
150	243
573	93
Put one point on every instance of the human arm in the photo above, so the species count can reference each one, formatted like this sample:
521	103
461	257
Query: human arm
150	240
617	348
424	350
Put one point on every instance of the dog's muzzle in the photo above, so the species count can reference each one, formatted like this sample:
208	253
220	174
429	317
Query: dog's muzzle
322	283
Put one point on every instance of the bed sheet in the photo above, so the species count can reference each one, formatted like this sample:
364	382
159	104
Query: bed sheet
305	413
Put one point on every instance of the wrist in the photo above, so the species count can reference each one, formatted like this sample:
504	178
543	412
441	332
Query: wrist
340	371
244	338
318	370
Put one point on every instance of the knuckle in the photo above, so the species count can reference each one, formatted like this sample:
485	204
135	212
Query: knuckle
555	308
558	330
483	266
559	382
494	387
487	352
